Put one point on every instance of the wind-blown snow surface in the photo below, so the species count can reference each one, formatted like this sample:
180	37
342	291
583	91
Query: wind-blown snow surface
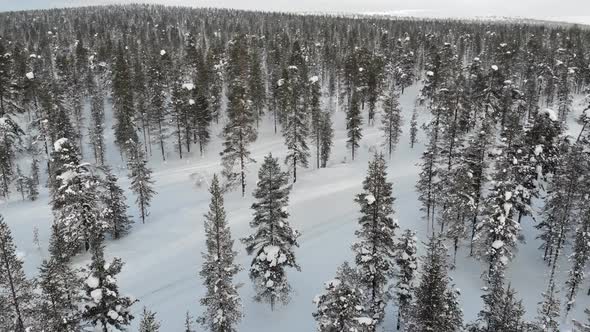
163	256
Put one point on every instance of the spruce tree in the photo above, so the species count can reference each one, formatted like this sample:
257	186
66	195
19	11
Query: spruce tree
326	138
60	289
272	244
436	306
341	306
405	275
75	200
188	325
549	309
317	116
158	101
353	124
221	300
295	124
579	258
104	307
123	100
96	131
375	248
392	122
502	311
239	131
15	289
114	213
583	327
21	182
148	321
414	128
141	179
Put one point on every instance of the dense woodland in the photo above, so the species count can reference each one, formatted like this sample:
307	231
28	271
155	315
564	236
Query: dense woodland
504	134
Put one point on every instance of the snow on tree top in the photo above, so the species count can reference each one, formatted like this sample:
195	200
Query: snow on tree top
370	199
551	113
58	145
92	282
314	79
364	320
333	283
429	73
292	67
498	244
188	86
30	75
191	101
271	254
162	52
96	295
494	67
538	149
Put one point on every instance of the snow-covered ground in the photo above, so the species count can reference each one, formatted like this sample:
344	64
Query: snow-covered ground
163	256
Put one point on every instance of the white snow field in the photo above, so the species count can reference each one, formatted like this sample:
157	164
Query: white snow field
163	256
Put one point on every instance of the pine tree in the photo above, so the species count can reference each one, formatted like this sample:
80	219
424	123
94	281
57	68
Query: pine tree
256	83
35	171
202	121
158	97
96	132
502	312
74	197
239	131
326	138
21	182
583	327
32	182
497	233
392	122
141	179
10	134
122	100
375	249
105	308
414	128
407	266
114	214
188	325
436	306
353	124
273	241
341	306
15	288
579	257
60	289
221	300
317	116
549	309
148	322
295	127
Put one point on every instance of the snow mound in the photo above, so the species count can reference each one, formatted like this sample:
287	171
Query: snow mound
58	145
551	113
188	86
92	282
498	244
162	52
30	75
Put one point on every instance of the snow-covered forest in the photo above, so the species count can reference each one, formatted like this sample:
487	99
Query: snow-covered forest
181	169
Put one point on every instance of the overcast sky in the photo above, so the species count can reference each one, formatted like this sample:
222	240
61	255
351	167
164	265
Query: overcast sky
567	10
